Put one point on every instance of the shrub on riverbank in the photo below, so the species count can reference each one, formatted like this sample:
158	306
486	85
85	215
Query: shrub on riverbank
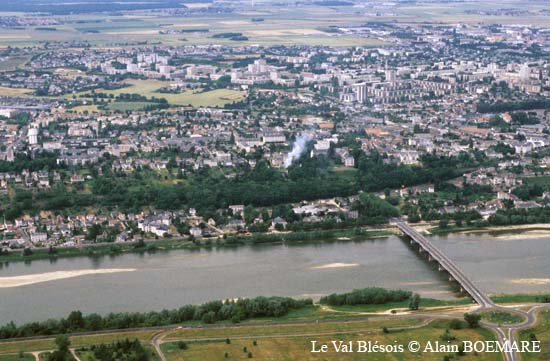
366	296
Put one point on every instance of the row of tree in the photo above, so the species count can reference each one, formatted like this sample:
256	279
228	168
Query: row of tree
209	312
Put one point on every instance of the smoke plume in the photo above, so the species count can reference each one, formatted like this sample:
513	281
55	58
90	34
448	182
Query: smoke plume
297	149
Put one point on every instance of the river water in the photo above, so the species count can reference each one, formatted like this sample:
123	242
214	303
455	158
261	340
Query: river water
499	264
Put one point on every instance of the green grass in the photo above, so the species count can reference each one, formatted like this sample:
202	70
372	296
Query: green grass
519	298
86	355
293	342
502	317
13	347
424	302
16	357
13	62
542	181
541	333
150	88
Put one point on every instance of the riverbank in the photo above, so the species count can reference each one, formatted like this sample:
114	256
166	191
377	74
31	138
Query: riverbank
114	249
493	230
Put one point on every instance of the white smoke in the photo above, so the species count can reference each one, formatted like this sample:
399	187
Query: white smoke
297	149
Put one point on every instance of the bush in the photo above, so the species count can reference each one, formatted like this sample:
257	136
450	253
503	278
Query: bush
366	296
456	325
472	319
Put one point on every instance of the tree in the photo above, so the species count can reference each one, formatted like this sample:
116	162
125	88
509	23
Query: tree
414	302
472	319
63	343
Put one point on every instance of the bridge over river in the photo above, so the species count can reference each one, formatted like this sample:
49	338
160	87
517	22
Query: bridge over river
455	273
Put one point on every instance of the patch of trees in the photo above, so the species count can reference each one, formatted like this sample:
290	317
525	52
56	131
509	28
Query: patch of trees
297	236
528	191
125	350
209	312
19	119
374	210
40	161
62	353
514	216
230	36
367	296
135	97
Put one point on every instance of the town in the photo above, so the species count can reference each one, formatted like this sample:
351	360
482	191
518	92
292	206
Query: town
320	117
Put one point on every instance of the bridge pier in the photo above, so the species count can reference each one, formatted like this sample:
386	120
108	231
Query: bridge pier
439	268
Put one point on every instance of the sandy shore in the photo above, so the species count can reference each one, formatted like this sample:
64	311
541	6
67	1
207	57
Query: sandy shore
18	281
532	281
336	265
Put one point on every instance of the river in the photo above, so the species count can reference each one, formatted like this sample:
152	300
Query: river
142	282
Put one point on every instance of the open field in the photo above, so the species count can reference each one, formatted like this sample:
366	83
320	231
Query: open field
76	341
149	88
87	355
280	24
293	342
14	91
13	62
26	357
502	317
541	333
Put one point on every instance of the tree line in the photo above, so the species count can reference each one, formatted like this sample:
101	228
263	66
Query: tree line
210	312
366	296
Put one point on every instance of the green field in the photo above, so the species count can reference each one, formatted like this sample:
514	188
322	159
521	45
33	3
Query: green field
293	342
16	357
13	62
502	317
149	88
542	333
14	91
14	347
87	355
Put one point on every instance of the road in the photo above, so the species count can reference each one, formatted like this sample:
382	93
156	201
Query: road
503	332
156	341
507	333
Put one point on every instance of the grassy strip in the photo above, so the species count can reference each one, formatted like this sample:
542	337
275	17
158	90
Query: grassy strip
502	318
424	302
518	298
540	332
